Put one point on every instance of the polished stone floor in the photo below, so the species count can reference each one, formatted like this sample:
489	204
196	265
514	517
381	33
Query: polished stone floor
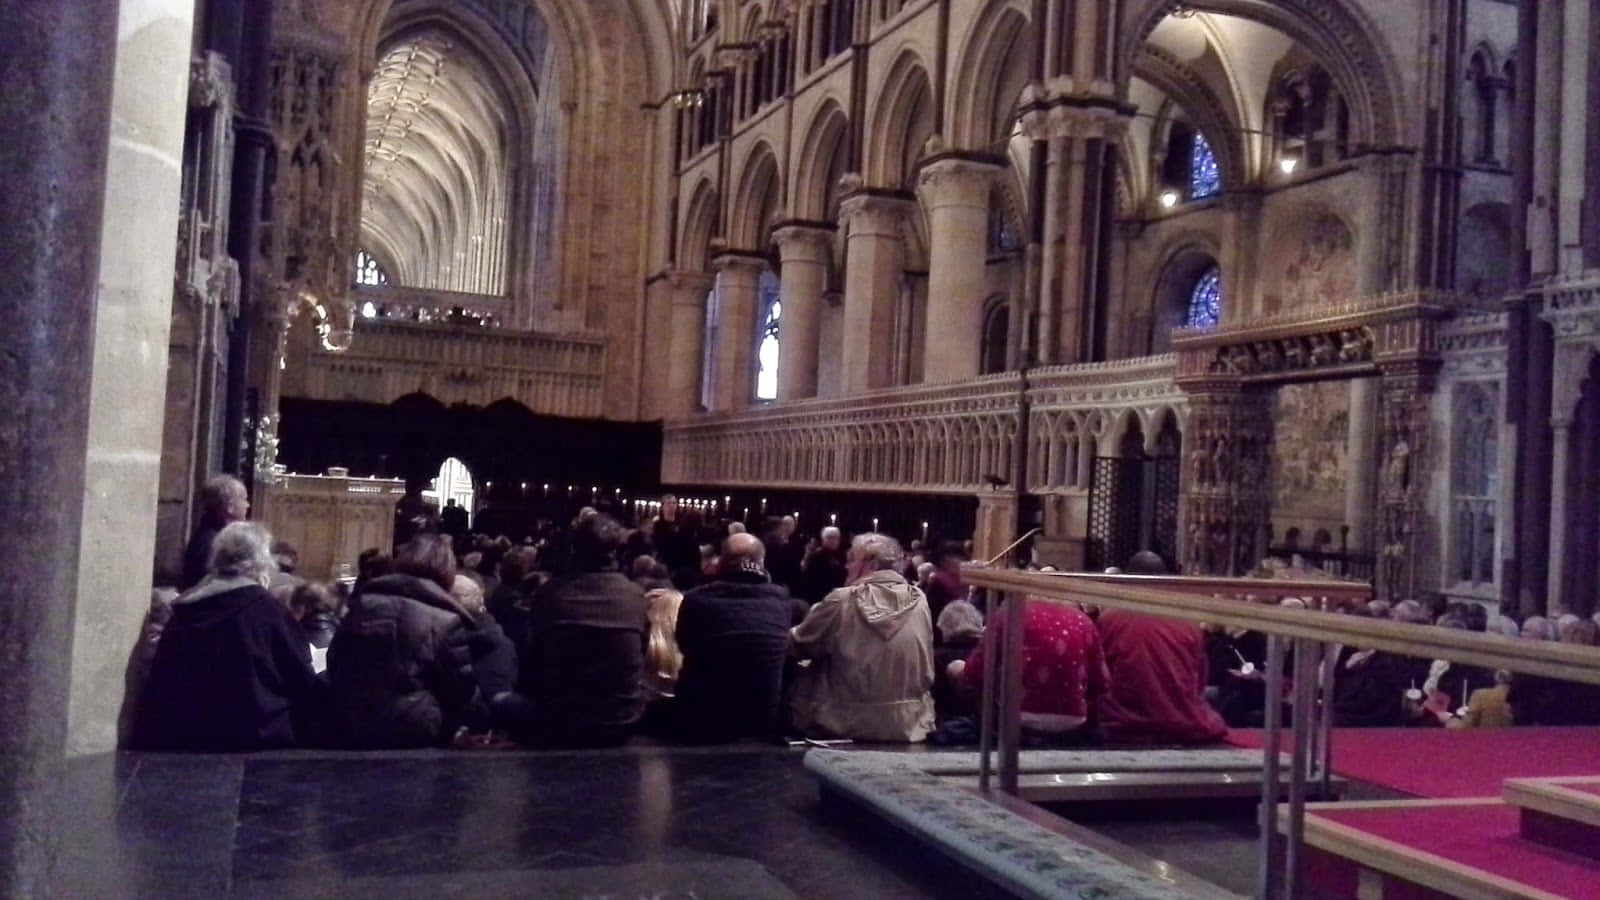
741	822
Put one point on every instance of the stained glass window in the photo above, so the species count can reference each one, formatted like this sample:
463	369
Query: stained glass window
1204	178
368	271
1205	301
767	347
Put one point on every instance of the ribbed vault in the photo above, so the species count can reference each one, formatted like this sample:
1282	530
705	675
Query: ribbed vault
437	188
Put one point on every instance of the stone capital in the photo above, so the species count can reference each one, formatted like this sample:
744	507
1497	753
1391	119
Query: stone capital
688	285
874	214
739	267
956	181
1062	110
803	243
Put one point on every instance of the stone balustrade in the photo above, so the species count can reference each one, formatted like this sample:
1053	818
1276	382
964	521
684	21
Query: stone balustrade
556	374
931	438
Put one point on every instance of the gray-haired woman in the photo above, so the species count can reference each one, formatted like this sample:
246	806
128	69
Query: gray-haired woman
229	672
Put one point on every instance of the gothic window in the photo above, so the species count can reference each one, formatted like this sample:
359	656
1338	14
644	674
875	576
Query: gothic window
1205	180
1205	300
996	337
368	272
1002	238
1473	483
767	345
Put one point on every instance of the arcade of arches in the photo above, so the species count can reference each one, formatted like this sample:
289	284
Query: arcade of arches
1214	278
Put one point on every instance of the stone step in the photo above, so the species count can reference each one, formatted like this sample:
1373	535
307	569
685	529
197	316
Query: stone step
1563	813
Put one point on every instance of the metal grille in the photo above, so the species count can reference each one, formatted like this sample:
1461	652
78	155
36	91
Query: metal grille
1165	533
1114	490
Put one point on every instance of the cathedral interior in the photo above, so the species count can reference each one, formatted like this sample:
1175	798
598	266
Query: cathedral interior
1223	280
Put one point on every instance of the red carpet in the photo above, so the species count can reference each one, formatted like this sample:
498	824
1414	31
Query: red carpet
1483	837
1435	762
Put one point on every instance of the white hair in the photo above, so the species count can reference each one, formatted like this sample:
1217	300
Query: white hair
243	550
882	551
830	532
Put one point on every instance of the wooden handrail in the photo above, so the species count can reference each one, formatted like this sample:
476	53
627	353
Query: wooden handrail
1194	600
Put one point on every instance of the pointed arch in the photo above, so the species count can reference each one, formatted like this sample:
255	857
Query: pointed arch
823	158
901	123
996	63
757	203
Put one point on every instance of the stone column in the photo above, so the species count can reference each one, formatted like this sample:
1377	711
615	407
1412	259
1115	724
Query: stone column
1361	494
955	192
873	262
805	252
56	111
686	348
144	177
1403	443
738	292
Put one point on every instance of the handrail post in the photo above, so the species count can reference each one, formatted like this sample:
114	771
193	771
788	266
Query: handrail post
986	709
1306	665
1324	757
1273	713
1011	694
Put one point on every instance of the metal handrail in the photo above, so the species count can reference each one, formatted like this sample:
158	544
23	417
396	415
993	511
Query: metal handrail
1314	632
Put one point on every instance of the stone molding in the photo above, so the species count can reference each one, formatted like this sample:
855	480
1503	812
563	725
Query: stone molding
804	243
1572	307
958	182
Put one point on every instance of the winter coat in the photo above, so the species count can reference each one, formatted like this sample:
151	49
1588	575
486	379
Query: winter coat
734	635
401	665
583	666
1158	681
871	651
229	674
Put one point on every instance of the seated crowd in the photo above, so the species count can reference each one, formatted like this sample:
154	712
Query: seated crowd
596	633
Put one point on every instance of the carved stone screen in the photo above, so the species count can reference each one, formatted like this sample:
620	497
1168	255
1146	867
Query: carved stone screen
1308	467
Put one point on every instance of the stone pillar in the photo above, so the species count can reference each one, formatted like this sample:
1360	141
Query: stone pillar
1361	495
805	252
738	292
1570	368
128	386
955	192
873	263
1403	444
1226	507
56	110
686	347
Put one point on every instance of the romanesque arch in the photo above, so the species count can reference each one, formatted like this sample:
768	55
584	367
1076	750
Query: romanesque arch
901	123
823	159
995	64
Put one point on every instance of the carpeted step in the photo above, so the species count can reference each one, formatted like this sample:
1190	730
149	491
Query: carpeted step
1563	813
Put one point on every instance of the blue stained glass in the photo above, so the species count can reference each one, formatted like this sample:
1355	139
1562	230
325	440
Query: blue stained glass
1204	178
1205	301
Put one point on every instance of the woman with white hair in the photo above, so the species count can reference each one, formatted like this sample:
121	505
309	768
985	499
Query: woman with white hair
229	673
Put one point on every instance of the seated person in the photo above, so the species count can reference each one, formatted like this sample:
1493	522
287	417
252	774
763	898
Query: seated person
1488	707
582	667
1157	682
401	663
1369	689
229	672
959	629
1063	670
734	635
1548	701
870	647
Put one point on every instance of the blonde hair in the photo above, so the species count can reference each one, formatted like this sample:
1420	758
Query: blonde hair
662	658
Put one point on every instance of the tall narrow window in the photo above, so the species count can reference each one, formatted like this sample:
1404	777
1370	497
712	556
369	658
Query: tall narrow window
1474	485
1205	301
708	352
368	272
1204	178
768	347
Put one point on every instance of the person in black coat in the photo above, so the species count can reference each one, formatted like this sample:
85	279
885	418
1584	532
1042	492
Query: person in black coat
734	636
582	666
401	663
229	673
824	569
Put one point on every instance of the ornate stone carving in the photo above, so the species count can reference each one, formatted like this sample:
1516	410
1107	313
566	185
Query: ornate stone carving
956	182
1403	444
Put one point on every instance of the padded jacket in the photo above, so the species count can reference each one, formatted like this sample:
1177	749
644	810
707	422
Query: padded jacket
401	666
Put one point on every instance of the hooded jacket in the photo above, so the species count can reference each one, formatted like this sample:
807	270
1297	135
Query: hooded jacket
229	673
871	651
401	665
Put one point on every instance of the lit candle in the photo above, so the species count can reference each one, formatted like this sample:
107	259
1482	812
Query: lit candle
747	512
524	485
874	523
924	530
833	518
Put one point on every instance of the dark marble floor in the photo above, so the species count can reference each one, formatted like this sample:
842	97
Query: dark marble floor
637	822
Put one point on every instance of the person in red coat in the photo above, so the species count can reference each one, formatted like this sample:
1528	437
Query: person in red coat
1158	682
1063	670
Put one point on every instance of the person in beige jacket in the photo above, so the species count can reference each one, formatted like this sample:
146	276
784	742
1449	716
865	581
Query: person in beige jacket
870	651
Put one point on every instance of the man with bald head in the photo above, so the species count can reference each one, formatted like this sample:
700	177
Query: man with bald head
734	636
